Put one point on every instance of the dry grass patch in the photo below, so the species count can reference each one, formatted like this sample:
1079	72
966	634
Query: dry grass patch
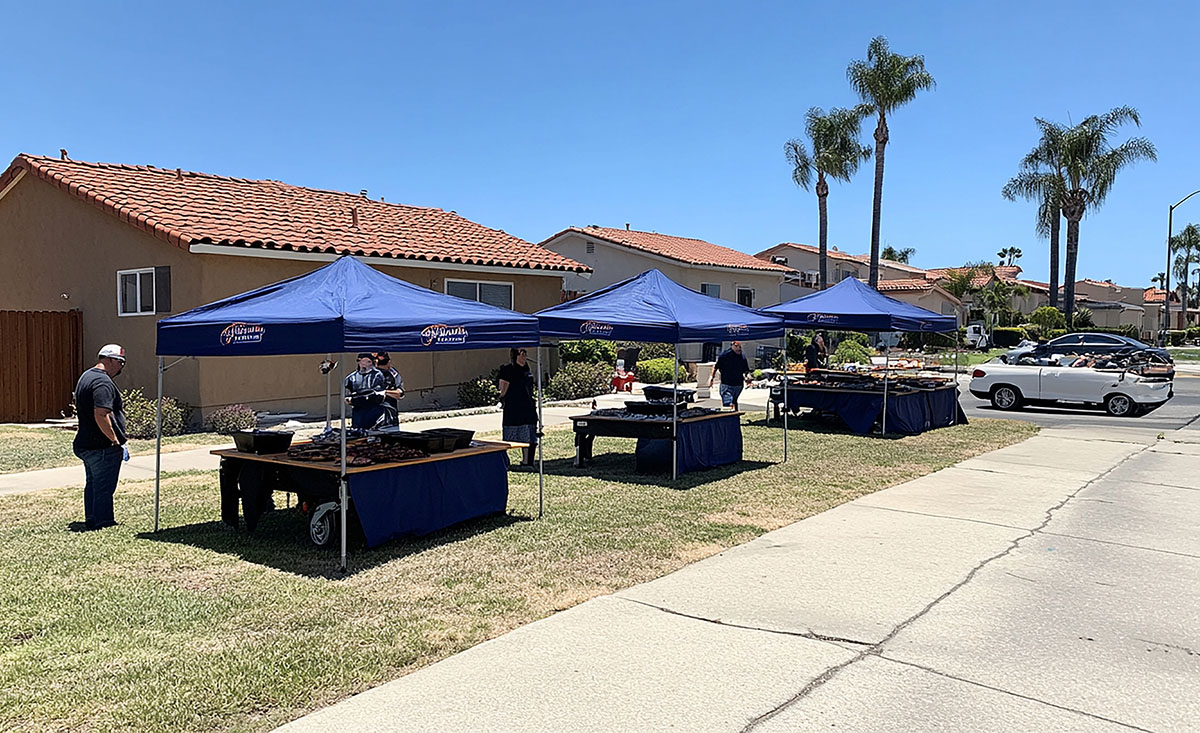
200	627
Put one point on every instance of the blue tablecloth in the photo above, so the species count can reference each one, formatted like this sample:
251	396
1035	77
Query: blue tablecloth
426	497
702	444
909	413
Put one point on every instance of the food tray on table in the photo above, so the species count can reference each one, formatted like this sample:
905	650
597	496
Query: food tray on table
262	441
461	438
664	394
420	441
645	407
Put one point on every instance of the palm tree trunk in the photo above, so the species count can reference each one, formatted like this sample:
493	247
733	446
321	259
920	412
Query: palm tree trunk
1054	259
823	233
881	141
1069	275
1183	284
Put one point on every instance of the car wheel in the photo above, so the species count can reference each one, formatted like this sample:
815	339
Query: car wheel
1119	405
323	526
1005	397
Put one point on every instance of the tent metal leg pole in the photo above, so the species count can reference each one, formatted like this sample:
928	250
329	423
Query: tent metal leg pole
883	427
342	493
158	445
785	395
675	420
954	420
328	395
541	428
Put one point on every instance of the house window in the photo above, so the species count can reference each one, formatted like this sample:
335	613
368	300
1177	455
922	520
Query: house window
135	292
492	293
590	248
745	296
809	278
712	290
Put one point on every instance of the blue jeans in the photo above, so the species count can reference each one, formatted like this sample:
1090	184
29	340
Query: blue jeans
102	467
730	394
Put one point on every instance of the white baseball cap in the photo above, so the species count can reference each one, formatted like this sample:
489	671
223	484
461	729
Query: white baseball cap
112	351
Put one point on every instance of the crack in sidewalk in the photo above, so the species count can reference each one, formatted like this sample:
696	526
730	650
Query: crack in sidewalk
876	649
719	622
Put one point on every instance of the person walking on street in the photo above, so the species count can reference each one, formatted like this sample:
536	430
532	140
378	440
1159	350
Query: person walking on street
735	375
100	440
519	421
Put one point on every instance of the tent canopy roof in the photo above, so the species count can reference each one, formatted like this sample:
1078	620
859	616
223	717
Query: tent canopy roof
855	306
343	307
652	307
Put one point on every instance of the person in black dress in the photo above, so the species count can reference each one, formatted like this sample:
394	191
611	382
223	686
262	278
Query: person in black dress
516	395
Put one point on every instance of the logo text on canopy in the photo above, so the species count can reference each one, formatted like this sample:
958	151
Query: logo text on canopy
242	333
441	333
596	328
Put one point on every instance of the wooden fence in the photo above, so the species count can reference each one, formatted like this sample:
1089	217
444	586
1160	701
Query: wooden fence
42	357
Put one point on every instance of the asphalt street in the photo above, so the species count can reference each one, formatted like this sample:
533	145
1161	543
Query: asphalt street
1182	409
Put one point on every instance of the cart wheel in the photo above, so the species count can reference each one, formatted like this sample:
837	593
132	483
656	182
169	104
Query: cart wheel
323	527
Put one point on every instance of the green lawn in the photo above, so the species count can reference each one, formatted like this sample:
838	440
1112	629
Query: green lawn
965	358
203	628
28	449
1185	354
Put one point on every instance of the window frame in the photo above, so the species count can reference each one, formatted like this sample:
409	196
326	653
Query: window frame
714	285
512	289
737	295
139	272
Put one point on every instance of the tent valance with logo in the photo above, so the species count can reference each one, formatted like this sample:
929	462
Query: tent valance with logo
653	307
346	306
852	305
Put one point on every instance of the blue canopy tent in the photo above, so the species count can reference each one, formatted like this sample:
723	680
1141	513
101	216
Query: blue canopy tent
653	307
852	305
346	306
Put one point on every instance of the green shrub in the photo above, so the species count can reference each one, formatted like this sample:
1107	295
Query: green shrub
1127	330
797	345
578	380
1177	337
588	351
1047	318
658	371
232	418
1083	319
140	414
1193	333
1005	337
1055	333
861	339
1033	332
479	392
850	351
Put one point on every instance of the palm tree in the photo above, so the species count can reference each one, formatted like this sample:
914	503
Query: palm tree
886	81
1041	179
1186	246
1090	166
1009	256
897	255
835	153
1159	280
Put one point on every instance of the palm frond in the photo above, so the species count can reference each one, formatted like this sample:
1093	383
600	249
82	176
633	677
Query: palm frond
888	80
801	162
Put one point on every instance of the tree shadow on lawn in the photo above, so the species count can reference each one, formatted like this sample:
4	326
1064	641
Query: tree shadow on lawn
619	467
823	424
281	541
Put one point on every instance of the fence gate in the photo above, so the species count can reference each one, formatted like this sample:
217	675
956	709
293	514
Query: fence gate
43	356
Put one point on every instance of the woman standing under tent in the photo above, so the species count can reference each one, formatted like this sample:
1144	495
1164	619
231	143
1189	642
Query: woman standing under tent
516	395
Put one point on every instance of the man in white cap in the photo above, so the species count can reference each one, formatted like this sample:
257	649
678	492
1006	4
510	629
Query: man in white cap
101	435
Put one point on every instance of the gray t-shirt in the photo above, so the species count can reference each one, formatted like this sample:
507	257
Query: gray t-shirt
96	389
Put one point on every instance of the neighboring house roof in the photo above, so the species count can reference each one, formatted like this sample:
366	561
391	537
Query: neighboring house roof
912	285
1109	305
1158	295
186	208
682	249
832	253
1035	285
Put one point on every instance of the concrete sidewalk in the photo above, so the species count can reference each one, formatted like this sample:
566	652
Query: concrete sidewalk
1050	585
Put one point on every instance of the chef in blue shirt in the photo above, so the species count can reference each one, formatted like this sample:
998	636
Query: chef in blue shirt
364	393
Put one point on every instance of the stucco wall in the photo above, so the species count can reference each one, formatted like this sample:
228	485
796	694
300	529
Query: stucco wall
53	244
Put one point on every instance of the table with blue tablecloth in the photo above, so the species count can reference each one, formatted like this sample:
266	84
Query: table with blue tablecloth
909	411
703	442
405	498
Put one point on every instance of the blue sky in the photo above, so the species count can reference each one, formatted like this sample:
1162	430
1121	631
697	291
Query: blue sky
531	117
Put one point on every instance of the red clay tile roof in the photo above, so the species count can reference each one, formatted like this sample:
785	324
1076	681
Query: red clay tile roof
831	253
904	284
1154	295
185	208
684	249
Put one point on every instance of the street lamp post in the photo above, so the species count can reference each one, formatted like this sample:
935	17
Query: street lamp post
1167	273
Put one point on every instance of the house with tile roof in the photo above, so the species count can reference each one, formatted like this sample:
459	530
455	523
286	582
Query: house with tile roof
127	245
805	259
614	255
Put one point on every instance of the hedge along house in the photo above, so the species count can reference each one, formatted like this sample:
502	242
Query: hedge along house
618	254
126	245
